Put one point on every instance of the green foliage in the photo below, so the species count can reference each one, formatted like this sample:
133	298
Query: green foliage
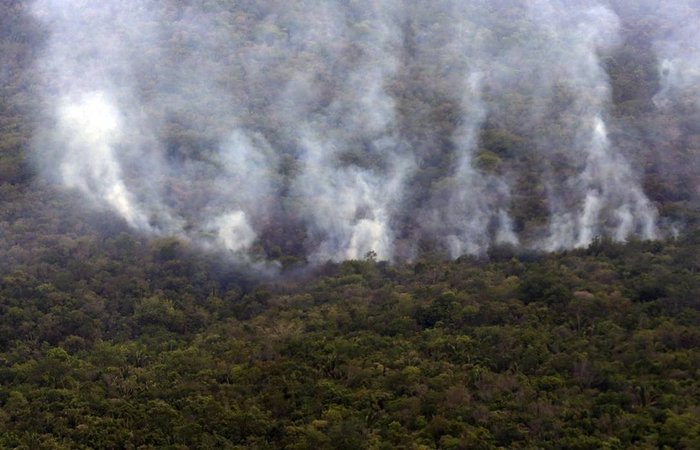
515	352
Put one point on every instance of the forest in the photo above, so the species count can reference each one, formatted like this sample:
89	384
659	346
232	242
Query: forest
274	260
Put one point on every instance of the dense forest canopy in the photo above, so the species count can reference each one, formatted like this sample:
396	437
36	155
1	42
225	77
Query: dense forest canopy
349	224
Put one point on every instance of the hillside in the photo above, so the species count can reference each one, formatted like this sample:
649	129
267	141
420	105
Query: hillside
444	224
302	134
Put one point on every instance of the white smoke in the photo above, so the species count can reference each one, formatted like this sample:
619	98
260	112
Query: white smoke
103	68
215	122
604	197
475	200
90	127
677	46
468	211
349	207
678	50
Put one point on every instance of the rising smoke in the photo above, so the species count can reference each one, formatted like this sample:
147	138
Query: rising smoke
678	52
677	46
359	122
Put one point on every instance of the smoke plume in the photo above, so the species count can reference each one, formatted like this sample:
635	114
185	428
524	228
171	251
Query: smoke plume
351	128
677	46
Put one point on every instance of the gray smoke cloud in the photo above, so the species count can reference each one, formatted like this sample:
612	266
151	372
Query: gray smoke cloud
678	51
117	76
551	49
349	207
677	46
469	208
216	122
604	197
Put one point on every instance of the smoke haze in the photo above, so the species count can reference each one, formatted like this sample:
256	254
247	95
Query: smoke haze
344	128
